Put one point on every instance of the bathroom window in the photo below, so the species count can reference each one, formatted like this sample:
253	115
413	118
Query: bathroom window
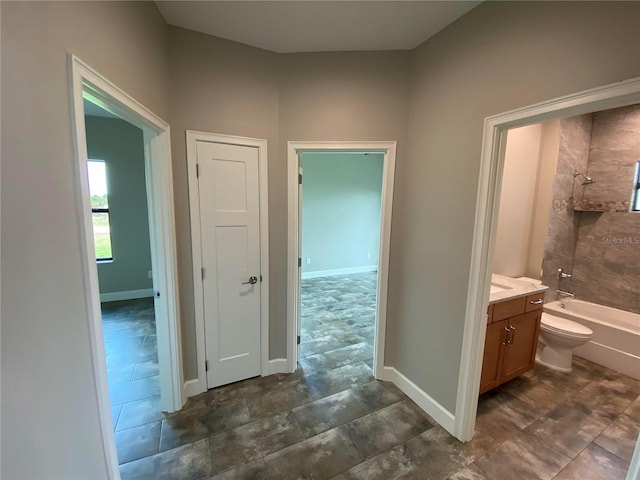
635	198
100	209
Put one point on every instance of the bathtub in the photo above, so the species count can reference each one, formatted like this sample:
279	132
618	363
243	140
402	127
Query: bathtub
616	334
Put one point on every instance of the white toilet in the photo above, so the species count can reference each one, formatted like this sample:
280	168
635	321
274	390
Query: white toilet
558	337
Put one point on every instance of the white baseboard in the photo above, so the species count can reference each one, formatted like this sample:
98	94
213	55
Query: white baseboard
339	271
126	295
278	365
440	414
193	387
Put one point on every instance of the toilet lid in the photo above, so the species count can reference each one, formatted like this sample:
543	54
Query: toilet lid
564	325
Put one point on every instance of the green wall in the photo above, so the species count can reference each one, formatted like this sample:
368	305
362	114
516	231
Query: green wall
340	210
121	146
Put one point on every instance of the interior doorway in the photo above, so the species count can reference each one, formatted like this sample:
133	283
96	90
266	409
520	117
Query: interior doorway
116	174
88	85
336	276
340	206
485	228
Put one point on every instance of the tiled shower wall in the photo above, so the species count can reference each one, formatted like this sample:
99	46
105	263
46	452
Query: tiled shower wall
564	222
601	249
607	262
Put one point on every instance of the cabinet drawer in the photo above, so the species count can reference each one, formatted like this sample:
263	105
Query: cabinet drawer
509	308
534	302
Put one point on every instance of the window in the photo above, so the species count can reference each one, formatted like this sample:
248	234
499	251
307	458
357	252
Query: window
100	209
635	197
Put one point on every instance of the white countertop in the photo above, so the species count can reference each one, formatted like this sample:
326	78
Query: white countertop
506	288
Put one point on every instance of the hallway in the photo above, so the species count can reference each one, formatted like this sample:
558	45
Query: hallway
332	419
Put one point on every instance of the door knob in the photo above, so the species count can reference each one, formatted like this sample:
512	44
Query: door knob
252	281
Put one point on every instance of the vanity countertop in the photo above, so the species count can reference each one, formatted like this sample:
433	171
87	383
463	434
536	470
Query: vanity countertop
506	288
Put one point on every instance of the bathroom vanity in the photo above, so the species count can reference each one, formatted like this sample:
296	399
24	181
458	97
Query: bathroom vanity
513	324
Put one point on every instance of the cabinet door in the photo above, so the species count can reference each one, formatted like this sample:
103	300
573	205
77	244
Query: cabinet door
493	353
520	353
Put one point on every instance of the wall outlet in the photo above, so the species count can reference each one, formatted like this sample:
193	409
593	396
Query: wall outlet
369	255
150	274
308	260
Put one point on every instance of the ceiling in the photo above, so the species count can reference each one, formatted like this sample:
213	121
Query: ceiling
317	26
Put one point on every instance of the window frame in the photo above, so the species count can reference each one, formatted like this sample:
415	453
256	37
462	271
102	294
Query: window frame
101	210
635	193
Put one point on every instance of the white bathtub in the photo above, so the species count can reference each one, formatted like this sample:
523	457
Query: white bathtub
616	334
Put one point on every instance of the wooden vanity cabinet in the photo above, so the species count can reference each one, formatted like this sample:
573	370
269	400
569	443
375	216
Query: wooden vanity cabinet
493	356
511	341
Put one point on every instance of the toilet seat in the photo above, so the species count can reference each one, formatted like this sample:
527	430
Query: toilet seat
564	327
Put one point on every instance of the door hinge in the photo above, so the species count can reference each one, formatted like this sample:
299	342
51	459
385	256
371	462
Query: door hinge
298	339
202	273
206	365
299	179
197	170
260	277
299	262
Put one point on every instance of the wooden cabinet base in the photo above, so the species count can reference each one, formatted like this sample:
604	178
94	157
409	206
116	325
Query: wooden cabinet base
510	344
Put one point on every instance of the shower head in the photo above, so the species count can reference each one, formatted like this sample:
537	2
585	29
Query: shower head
587	180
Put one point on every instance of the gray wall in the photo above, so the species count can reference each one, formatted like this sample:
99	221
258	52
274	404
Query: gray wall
606	269
340	210
339	96
121	146
49	405
225	87
335	96
500	56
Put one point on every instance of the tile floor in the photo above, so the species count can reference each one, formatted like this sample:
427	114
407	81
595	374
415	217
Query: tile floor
132	369
331	419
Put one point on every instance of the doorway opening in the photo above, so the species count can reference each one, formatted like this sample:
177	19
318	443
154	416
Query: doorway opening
340	195
116	174
87	85
340	300
486	223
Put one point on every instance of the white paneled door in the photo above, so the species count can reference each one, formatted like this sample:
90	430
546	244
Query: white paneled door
228	189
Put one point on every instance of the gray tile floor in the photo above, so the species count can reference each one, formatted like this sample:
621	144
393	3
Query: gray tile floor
331	419
132	369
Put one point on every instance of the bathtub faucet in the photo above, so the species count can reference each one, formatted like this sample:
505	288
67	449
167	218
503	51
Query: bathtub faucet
562	274
564	294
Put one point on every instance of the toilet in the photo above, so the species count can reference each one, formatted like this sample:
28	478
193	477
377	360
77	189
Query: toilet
558	337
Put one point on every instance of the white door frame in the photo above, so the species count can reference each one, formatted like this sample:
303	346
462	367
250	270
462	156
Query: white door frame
87	82
199	384
293	280
487	206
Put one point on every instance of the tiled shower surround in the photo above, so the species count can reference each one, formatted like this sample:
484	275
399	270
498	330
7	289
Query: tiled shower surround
600	248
